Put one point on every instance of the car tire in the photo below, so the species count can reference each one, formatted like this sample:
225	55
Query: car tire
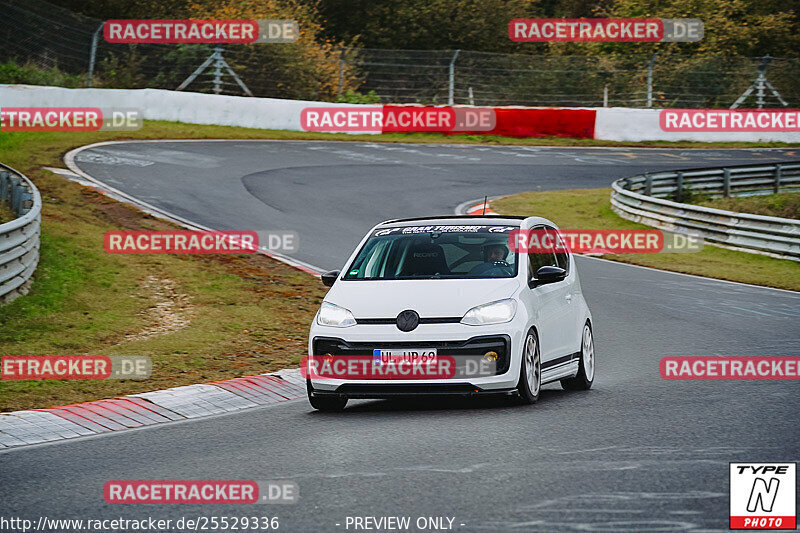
586	367
530	374
332	404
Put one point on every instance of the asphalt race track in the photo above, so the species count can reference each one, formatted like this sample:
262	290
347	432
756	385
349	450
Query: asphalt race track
331	193
636	453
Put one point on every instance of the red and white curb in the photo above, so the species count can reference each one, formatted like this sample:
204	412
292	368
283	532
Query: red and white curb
20	428
481	209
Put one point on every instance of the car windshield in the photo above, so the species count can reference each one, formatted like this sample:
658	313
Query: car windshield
435	252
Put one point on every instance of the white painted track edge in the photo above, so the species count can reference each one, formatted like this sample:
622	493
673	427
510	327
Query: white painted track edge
69	160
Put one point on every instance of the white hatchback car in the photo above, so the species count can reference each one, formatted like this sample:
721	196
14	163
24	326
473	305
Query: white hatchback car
450	286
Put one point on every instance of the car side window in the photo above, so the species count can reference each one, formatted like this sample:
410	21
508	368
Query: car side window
539	259
562	258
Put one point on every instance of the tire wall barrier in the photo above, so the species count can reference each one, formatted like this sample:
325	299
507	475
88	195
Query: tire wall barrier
612	124
654	199
19	238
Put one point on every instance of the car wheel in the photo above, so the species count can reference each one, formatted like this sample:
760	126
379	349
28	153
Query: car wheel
585	377
530	375
325	403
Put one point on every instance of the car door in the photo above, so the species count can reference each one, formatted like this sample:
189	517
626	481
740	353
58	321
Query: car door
550	304
571	328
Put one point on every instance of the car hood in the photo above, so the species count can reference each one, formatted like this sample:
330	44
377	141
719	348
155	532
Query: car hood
430	298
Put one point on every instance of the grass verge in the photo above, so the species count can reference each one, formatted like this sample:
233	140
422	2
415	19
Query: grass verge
591	209
784	205
200	318
6	213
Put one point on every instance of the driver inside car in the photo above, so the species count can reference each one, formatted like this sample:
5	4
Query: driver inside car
494	257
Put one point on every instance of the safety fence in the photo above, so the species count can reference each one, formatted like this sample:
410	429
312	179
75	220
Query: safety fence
45	44
655	199
19	238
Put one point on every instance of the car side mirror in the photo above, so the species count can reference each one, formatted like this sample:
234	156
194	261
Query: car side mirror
329	278
549	274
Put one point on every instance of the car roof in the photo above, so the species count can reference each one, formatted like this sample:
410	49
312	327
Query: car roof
451	220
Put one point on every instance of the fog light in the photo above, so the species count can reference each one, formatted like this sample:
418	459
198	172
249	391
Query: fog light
490	356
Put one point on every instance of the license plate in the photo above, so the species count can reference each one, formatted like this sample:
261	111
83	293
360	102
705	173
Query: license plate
399	355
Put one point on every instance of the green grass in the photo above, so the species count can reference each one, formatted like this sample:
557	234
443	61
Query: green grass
6	213
247	314
785	204
590	209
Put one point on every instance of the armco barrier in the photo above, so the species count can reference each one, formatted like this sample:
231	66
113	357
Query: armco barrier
642	198
19	238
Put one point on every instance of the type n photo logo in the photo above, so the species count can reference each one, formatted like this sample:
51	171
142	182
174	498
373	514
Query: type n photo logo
763	496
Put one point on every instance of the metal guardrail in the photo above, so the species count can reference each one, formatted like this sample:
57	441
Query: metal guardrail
19	238
643	198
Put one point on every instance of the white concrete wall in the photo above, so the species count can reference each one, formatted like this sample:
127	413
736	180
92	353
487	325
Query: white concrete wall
159	104
624	124
612	124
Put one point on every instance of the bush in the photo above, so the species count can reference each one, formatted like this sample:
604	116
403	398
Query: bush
30	74
354	97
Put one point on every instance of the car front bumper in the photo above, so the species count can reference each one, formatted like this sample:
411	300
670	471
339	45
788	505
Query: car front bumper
456	340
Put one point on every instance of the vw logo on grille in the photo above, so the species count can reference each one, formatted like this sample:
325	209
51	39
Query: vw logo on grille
408	320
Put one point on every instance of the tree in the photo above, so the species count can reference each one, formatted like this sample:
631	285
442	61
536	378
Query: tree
309	68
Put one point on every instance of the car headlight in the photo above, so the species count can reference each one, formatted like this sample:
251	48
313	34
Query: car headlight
335	316
491	313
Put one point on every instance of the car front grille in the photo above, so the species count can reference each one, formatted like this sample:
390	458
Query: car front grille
475	346
429	320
